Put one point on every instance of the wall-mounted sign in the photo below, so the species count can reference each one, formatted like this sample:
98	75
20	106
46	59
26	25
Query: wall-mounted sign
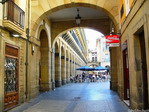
112	40
124	45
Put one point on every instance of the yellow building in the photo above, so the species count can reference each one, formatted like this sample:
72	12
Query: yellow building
30	65
40	52
133	84
13	24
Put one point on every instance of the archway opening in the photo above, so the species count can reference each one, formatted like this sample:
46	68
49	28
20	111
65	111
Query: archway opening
76	40
98	55
63	19
93	16
44	62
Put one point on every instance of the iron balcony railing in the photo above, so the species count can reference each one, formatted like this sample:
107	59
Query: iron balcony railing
14	13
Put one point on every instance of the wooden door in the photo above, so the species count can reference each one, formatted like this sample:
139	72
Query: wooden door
144	69
11	78
126	75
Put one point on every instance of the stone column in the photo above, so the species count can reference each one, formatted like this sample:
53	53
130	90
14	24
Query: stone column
114	57
68	70
2	61
120	85
58	81
53	69
44	86
72	68
77	71
63	70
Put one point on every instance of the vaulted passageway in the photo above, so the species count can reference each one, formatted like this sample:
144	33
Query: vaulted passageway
52	59
60	24
45	46
66	52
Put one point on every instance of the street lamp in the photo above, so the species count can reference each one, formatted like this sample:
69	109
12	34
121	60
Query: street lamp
78	18
14	34
3	1
112	31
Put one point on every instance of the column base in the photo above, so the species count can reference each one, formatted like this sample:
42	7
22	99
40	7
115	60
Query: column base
68	81
113	86
53	85
44	87
58	83
63	82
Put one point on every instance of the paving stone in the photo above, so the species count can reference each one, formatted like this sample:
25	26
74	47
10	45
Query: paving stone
76	97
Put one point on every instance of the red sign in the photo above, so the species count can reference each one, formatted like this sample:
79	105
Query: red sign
112	39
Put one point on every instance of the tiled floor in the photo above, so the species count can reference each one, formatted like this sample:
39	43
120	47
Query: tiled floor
76	97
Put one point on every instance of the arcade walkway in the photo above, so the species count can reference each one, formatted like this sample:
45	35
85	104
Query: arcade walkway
76	97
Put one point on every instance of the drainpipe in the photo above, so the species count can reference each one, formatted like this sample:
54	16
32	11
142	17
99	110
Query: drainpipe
26	63
52	67
27	43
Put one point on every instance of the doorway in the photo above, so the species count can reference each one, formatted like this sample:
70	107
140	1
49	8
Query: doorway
144	69
126	75
141	65
11	77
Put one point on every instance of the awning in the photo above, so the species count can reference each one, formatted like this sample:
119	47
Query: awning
85	68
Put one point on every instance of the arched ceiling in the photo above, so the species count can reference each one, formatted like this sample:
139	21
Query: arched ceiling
71	13
41	9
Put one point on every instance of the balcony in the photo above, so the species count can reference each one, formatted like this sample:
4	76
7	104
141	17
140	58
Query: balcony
93	61
13	17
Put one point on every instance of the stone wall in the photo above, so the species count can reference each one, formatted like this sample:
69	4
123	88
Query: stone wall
136	22
21	44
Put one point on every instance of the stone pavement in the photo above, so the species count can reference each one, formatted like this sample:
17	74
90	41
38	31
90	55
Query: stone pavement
76	97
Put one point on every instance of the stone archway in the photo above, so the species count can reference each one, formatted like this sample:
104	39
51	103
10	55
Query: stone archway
44	76
115	63
40	9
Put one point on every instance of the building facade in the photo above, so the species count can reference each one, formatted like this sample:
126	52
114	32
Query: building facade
39	53
103	52
134	22
92	58
30	65
13	22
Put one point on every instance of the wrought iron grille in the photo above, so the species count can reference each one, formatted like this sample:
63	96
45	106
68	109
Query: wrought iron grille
10	74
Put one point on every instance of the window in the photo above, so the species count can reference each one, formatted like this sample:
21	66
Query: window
95	58
92	53
92	58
